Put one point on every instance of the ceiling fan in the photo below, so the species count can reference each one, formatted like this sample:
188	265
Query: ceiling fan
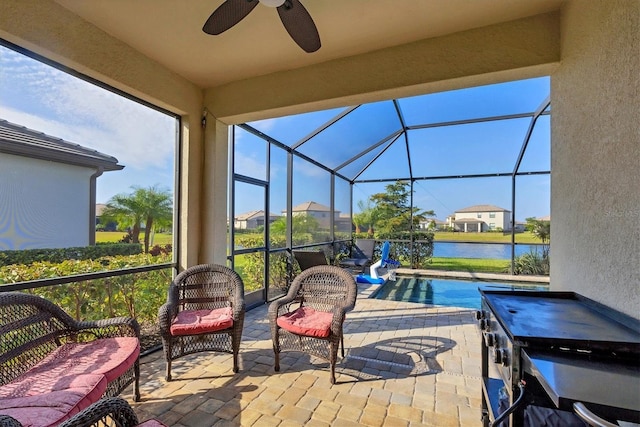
294	17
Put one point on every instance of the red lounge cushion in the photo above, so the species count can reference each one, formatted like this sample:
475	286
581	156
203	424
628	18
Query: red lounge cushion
152	423
67	396
307	321
68	380
193	322
110	357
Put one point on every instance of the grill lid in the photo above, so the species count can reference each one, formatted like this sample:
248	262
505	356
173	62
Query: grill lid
563	319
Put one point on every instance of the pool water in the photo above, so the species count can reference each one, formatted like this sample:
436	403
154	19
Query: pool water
446	292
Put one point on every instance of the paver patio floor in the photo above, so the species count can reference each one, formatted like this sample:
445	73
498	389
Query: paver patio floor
406	364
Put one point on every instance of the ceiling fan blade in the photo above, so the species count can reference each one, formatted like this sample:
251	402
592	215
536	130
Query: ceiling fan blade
227	15
299	25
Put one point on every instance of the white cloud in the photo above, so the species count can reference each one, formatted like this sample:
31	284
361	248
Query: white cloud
45	99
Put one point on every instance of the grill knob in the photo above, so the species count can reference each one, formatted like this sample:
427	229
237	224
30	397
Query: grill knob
489	339
482	324
480	314
501	356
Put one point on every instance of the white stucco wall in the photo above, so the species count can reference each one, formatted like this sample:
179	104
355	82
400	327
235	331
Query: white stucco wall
595	154
43	204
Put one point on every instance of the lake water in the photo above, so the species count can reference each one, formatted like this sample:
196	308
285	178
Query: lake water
480	250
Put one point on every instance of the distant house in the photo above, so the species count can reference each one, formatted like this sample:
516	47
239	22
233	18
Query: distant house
100	223
323	214
47	190
252	220
432	224
480	218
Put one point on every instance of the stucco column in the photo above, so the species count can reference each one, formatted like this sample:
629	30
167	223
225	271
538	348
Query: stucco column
213	248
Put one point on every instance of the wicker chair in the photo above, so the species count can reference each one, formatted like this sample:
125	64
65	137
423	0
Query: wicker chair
204	312
8	421
109	412
310	317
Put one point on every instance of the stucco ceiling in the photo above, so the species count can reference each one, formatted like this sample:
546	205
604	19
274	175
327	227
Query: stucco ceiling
170	31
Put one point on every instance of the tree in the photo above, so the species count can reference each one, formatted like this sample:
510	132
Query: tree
393	213
303	223
152	206
364	217
542	230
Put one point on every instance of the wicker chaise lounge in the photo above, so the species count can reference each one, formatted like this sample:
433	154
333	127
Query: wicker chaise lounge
52	366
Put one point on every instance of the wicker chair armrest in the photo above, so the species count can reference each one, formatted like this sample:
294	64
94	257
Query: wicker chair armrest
8	421
111	408
281	306
239	309
109	328
337	320
165	317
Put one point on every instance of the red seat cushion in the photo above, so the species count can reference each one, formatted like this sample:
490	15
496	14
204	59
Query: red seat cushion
307	321
193	322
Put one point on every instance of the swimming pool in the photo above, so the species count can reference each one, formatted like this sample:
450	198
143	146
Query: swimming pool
446	292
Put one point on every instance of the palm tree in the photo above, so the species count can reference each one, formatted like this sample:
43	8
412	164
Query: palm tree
153	206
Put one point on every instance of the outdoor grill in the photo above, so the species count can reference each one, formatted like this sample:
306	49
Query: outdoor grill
557	359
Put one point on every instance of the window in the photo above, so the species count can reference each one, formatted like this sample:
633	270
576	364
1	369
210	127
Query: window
94	151
492	215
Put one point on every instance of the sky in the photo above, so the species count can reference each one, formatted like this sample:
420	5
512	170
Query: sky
45	99
436	151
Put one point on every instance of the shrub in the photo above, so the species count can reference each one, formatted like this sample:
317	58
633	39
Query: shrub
532	263
422	244
137	295
29	256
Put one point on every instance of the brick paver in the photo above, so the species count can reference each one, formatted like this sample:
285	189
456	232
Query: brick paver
406	365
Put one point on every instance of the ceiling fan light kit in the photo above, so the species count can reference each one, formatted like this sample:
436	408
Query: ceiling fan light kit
294	17
272	3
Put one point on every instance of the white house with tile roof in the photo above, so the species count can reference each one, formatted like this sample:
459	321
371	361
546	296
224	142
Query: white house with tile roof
480	218
47	190
252	220
323	214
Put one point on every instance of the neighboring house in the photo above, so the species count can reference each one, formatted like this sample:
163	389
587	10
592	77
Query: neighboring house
109	226
432	224
47	190
252	220
343	223
480	218
323	214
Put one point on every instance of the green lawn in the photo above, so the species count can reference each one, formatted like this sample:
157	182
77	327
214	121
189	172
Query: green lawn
470	264
116	236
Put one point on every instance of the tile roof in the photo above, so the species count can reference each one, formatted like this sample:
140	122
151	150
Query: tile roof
21	141
311	206
483	208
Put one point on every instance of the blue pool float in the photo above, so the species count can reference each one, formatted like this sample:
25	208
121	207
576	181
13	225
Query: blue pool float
365	278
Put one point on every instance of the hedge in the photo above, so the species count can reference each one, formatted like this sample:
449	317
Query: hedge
29	256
